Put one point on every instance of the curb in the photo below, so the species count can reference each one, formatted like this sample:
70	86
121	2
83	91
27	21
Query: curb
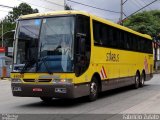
5	79
156	72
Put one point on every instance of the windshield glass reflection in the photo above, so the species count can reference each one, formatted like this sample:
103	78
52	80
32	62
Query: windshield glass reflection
56	39
27	44
47	50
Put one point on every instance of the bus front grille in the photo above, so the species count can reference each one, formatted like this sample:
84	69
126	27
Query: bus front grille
44	80
37	80
28	80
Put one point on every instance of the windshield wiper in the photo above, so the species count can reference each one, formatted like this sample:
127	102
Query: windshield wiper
45	64
28	63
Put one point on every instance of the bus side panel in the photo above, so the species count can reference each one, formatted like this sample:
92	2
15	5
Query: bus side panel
120	71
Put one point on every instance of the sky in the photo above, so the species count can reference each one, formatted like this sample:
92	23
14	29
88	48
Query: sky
129	7
41	5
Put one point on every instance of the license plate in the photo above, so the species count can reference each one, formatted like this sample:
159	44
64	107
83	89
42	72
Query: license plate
16	88
37	89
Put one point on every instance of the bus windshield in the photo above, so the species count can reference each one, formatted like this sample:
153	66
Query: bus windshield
44	45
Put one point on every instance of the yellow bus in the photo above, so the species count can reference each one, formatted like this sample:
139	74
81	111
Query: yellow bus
70	54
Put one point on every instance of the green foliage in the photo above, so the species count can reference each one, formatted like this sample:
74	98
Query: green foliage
147	22
22	9
68	7
9	21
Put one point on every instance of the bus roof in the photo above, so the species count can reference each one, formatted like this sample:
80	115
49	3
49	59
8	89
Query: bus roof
70	12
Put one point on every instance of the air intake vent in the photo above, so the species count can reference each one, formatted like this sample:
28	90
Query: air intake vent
28	80
44	80
37	80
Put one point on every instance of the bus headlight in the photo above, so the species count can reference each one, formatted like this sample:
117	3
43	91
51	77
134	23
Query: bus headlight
16	80
63	81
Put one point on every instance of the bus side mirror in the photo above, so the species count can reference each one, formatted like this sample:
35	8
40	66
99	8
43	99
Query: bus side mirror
10	66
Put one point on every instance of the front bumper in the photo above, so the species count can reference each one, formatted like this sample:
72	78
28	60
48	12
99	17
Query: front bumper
46	90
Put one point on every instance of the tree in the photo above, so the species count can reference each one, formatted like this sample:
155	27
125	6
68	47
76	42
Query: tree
147	22
9	21
67	7
22	9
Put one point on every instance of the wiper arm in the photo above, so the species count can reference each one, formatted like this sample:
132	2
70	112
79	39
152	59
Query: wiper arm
45	64
30	62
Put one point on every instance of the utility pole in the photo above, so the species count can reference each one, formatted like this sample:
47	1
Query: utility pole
155	54
2	33
64	4
121	13
139	9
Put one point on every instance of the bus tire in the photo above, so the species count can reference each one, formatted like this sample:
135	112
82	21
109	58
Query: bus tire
137	81
94	89
141	83
46	99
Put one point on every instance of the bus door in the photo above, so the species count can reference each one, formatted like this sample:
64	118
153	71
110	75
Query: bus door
82	44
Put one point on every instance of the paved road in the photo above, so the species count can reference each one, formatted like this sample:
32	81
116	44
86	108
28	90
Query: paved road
120	101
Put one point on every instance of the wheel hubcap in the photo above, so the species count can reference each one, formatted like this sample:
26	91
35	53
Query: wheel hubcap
137	80
93	88
142	81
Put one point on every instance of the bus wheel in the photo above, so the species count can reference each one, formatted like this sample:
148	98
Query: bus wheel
93	89
141	84
46	99
137	80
